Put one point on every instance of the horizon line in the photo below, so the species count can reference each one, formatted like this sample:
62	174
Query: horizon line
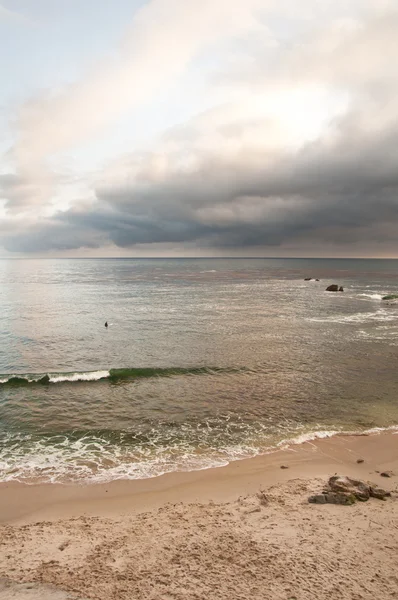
198	257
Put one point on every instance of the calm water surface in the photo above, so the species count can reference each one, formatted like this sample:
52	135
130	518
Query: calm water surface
204	361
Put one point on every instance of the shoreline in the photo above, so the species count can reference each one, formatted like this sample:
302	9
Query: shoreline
245	531
22	503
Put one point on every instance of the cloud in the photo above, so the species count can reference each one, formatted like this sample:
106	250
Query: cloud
163	38
10	15
338	191
303	155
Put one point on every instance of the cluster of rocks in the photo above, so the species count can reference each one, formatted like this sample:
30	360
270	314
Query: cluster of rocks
310	279
344	490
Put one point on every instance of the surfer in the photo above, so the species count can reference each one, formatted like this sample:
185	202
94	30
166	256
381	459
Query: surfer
106	324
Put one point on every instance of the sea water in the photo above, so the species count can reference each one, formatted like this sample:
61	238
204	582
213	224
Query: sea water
204	361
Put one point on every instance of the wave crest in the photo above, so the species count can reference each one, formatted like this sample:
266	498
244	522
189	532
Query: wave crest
113	375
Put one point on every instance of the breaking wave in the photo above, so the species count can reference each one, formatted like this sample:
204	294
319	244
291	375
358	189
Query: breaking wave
112	375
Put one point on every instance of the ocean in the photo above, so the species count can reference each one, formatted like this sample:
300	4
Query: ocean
204	361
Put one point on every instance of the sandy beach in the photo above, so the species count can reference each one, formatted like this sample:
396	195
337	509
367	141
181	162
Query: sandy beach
241	531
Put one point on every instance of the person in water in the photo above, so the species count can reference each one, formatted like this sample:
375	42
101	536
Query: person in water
106	324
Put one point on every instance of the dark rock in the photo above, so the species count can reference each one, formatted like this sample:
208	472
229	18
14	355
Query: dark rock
308	279
357	488
317	279
360	460
332	288
390	297
379	493
341	289
284	467
340	498
317	499
344	490
386	474
332	498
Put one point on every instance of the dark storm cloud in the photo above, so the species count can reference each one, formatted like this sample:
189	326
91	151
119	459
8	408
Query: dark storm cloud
343	191
339	189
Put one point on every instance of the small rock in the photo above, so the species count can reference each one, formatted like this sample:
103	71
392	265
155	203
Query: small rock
317	499
340	498
386	474
360	460
333	498
332	288
63	545
308	279
317	279
341	289
284	467
379	493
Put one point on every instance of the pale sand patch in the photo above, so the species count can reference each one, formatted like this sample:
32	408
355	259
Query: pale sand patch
33	591
246	545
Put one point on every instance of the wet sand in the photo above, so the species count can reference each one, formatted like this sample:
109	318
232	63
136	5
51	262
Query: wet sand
241	531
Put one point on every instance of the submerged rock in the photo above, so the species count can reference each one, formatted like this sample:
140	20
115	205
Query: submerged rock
390	297
308	279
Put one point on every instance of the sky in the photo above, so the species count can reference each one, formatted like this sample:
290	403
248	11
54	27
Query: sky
199	128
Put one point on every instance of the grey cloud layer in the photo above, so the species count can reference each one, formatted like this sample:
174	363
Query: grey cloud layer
343	192
340	190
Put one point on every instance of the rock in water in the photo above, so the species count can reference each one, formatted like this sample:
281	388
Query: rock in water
332	288
341	289
390	297
308	279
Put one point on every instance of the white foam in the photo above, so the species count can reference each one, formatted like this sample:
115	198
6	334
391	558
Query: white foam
308	437
372	296
379	315
375	430
92	459
89	376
